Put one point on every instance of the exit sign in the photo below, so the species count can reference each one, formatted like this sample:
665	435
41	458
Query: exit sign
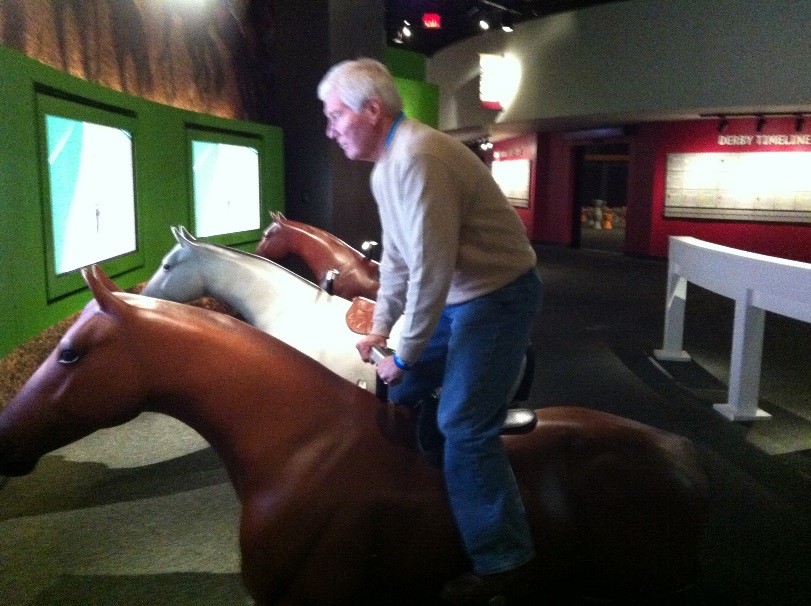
431	21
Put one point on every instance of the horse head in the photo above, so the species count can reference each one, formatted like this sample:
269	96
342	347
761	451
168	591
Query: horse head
179	277
355	273
274	244
68	397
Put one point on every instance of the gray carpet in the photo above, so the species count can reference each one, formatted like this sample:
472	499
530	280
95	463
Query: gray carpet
144	513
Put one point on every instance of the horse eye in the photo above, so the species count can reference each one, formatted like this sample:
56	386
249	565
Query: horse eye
68	356
167	267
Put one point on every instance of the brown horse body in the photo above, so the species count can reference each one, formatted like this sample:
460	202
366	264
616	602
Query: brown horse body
322	252
337	505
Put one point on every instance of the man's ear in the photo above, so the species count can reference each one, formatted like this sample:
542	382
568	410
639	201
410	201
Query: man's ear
375	108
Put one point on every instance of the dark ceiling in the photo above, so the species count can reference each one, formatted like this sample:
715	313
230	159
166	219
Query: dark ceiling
460	18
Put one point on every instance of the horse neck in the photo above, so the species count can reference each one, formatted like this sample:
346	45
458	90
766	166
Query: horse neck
252	417
249	284
321	250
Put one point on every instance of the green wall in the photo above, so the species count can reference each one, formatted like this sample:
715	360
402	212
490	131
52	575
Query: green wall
163	190
403	63
420	98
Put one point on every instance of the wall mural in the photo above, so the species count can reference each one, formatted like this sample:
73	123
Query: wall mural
210	57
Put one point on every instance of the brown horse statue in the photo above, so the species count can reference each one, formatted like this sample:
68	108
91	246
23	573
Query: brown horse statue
337	505
338	267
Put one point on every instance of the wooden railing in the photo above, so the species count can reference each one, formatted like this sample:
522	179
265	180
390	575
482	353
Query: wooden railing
758	283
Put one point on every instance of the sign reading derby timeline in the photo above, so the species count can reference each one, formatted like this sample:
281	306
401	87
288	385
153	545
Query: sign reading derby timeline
772	186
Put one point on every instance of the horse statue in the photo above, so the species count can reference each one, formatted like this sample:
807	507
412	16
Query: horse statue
337	506
285	305
338	267
267	296
345	272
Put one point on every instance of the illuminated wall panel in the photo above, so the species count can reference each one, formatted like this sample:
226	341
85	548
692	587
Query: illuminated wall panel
745	186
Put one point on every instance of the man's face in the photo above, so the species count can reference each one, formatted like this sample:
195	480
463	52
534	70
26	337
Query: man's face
354	132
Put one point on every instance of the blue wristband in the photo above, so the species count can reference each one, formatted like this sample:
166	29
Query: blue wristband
400	363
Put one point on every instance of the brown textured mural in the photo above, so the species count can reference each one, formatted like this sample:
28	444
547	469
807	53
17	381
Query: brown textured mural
203	55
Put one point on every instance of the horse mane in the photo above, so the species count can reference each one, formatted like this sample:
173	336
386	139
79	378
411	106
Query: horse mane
237	254
317	233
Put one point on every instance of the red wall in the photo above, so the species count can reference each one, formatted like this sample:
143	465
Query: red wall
647	230
789	241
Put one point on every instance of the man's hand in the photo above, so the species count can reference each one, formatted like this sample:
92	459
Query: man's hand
389	371
364	346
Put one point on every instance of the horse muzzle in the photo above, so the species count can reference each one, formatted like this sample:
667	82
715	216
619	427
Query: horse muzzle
13	462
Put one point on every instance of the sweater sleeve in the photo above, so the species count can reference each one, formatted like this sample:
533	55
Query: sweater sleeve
429	215
391	294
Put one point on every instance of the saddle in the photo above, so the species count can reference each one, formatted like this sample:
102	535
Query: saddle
359	315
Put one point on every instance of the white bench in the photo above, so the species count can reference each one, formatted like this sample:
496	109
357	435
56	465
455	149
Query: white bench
758	283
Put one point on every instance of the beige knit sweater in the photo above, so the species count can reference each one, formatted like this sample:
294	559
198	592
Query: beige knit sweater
449	234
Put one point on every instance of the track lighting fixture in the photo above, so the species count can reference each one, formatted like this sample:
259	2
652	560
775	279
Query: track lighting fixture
499	13
482	143
760	120
404	33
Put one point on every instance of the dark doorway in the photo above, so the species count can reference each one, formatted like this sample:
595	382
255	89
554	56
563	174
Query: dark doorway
601	191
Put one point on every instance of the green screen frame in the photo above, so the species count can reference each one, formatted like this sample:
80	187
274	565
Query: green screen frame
246	139
82	110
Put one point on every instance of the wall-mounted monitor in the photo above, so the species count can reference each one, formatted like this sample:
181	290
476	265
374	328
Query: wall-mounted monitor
226	185
88	166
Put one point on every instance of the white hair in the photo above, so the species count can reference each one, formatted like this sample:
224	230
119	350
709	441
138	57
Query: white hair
359	80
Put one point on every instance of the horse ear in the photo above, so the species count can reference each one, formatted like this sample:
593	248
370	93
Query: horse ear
183	236
187	234
108	283
97	281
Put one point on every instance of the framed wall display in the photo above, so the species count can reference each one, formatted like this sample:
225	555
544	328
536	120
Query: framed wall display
87	159
226	184
742	186
513	176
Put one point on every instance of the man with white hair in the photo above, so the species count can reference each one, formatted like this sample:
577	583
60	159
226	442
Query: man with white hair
458	265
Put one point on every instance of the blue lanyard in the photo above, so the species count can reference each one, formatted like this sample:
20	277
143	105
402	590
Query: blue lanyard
394	125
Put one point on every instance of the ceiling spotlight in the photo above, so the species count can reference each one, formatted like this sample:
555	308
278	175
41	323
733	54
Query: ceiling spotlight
507	22
484	24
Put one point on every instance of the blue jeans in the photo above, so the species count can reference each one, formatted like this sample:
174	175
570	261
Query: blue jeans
476	354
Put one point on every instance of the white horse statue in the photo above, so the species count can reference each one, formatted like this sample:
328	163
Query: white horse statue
269	297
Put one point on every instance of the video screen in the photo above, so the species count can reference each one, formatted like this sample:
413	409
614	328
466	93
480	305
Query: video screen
92	192
225	181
